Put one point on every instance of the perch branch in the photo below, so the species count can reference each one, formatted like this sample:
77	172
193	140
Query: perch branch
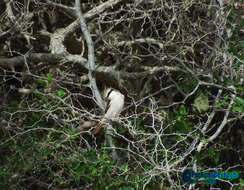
91	71
91	64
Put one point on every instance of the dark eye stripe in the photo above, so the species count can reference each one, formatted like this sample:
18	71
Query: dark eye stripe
109	93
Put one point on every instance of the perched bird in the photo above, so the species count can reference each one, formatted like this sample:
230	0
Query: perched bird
115	103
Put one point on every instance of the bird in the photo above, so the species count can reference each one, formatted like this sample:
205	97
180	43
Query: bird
115	104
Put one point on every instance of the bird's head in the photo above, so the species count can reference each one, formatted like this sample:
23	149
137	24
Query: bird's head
107	93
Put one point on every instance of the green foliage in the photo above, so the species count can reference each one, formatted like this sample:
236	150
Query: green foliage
235	24
213	154
61	93
209	154
64	165
41	82
39	95
242	182
239	105
120	129
182	110
223	102
182	123
39	144
49	78
53	153
188	84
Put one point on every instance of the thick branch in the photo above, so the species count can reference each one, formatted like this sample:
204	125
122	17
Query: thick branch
91	63
35	57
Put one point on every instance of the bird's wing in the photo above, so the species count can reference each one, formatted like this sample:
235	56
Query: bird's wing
101	123
97	129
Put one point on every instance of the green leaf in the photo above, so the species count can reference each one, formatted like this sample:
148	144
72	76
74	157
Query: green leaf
73	114
180	138
72	137
197	155
60	93
97	67
49	77
240	88
123	167
239	101
201	103
94	171
183	110
241	44
237	109
193	81
242	182
204	140
76	166
39	95
138	122
59	180
42	82
182	126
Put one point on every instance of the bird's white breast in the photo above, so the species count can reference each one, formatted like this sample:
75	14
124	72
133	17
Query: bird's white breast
116	104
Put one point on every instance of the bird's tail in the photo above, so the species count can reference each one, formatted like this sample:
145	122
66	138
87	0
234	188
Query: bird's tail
97	128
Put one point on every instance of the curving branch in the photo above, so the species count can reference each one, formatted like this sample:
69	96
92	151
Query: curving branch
91	72
91	64
39	57
221	126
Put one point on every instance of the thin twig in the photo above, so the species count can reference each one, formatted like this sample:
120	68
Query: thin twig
221	126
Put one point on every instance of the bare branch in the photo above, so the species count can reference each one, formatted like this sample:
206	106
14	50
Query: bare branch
221	126
91	64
